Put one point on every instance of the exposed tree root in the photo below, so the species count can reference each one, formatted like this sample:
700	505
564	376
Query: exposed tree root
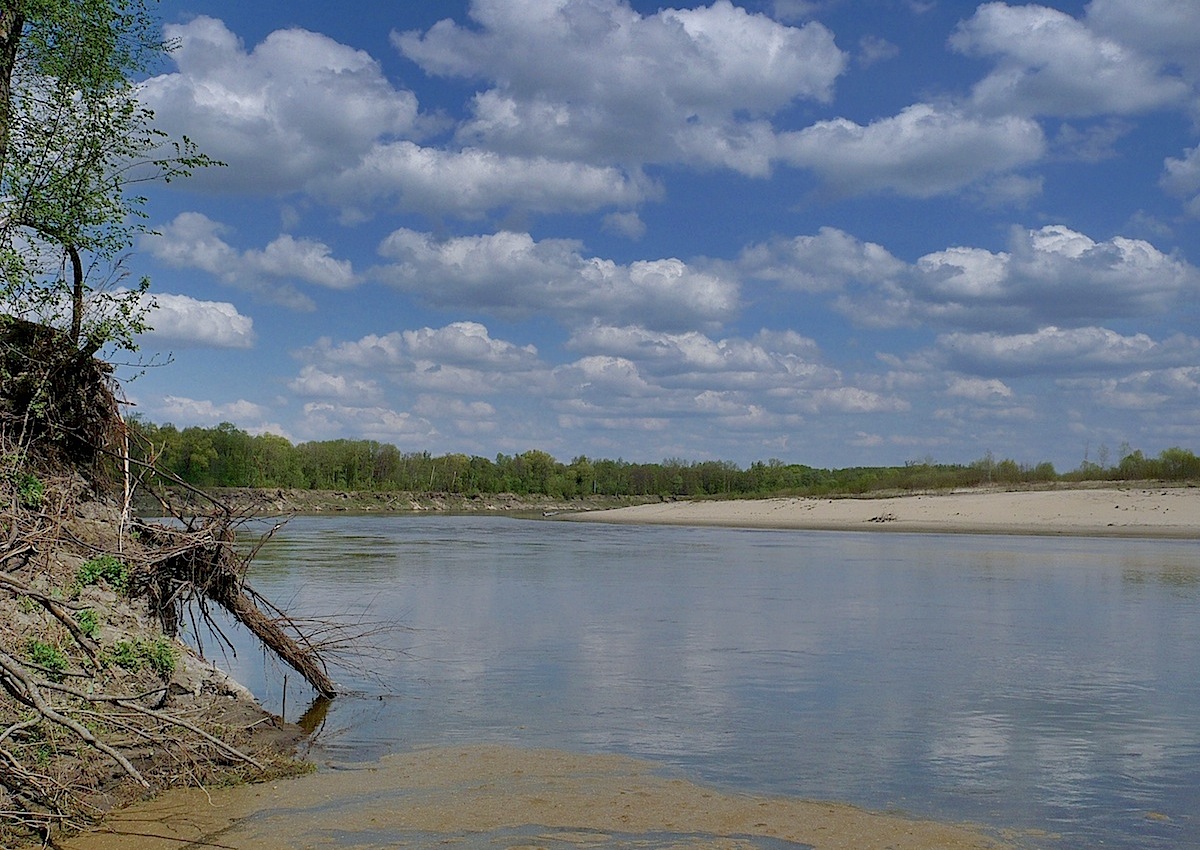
98	702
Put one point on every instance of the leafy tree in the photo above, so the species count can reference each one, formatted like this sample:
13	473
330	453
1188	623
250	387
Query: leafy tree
74	144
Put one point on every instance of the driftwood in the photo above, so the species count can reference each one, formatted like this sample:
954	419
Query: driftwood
202	564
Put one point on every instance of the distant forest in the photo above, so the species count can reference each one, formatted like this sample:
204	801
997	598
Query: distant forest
226	456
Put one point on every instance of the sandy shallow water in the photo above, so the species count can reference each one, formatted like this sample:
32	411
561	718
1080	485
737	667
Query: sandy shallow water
504	797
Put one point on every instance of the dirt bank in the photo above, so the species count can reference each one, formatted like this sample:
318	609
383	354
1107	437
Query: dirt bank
292	501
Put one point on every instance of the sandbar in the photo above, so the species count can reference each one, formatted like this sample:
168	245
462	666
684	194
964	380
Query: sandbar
1136	511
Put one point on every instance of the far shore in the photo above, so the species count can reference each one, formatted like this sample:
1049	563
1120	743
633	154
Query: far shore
1134	511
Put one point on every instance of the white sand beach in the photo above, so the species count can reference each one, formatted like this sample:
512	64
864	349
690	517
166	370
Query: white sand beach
1134	511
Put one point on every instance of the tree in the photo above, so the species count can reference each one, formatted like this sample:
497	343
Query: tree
74	143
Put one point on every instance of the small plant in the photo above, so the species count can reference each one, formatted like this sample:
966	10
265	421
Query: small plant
123	654
30	490
159	654
106	567
89	622
49	658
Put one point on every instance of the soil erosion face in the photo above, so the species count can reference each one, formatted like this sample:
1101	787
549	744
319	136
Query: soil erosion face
494	797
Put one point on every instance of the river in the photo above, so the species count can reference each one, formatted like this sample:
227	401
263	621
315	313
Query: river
1047	686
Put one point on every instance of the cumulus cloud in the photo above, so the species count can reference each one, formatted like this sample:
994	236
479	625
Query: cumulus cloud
461	358
316	383
925	150
469	182
1146	390
979	389
1049	63
294	106
693	359
1051	275
1181	177
183	410
511	274
600	82
1167	28
628	224
324	419
182	321
1055	351
193	240
826	262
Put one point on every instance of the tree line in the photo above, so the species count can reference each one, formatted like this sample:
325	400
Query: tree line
226	456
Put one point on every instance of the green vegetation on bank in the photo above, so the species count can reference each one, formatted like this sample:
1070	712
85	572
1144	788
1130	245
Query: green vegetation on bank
226	456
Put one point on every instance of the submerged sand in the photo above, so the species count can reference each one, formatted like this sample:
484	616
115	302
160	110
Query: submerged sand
1172	512
488	797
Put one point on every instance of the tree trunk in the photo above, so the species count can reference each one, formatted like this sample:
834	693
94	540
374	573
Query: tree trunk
12	22
227	593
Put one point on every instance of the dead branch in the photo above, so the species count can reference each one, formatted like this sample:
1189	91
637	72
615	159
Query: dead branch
22	687
58	610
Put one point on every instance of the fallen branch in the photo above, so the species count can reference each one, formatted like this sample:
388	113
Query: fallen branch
14	674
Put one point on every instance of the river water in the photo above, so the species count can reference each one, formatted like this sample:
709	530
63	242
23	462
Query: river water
1044	685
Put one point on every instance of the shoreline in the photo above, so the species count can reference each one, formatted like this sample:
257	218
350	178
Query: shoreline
1145	511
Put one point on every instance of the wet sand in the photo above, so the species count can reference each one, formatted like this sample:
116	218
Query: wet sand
1126	512
489	797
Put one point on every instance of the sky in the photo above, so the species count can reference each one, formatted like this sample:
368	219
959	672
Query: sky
829	232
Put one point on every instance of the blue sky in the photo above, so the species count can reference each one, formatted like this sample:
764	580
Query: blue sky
828	232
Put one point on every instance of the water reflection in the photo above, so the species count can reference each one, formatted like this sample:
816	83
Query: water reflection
1027	682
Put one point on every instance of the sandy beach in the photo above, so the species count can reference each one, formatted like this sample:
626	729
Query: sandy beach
1136	511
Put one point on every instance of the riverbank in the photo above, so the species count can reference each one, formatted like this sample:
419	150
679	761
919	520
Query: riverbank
1134	511
280	501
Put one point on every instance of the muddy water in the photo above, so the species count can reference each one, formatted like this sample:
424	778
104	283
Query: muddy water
1034	686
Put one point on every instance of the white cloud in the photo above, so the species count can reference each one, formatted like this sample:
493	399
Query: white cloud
1053	351
192	240
316	383
189	411
510	274
460	359
1051	275
466	343
297	105
326	420
853	400
925	150
1049	63
1181	177
826	262
979	389
774	359
472	181
600	82
1166	28
182	321
628	224
1148	391
872	49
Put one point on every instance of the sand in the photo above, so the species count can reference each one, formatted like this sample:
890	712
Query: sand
1168	512
493	797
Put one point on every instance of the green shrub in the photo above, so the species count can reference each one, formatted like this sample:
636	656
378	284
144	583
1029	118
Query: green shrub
106	567
159	654
89	622
49	658
30	490
123	654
